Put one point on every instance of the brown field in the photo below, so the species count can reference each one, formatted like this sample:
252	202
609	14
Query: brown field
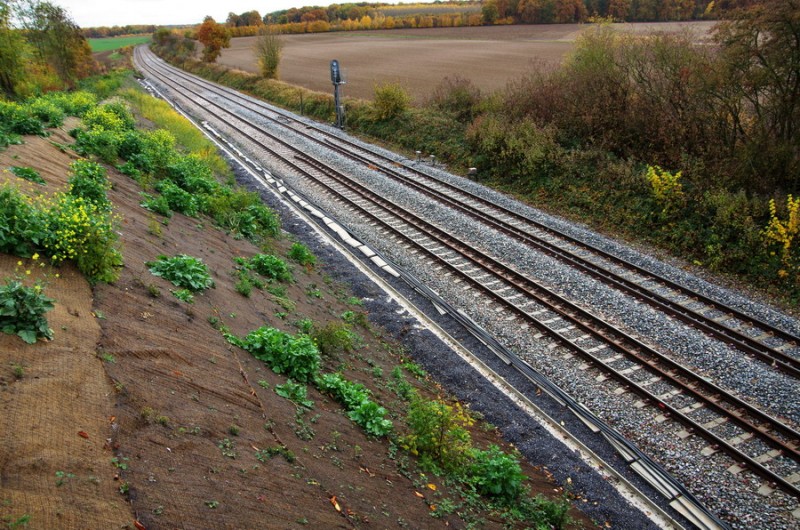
419	59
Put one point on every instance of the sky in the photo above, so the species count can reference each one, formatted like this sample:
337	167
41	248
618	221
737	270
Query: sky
93	13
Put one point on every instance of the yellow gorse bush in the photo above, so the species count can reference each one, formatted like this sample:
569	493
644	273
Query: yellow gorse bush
783	232
667	187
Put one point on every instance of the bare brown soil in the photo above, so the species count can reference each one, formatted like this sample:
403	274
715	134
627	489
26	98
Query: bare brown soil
136	375
419	59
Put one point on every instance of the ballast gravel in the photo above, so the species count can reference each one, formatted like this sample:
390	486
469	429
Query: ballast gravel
732	497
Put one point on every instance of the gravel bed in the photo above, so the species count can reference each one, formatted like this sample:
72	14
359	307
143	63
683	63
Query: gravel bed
728	495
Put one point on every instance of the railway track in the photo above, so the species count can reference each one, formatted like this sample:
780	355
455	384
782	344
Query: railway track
723	322
612	354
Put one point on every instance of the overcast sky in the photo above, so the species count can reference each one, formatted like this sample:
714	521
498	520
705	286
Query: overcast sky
92	13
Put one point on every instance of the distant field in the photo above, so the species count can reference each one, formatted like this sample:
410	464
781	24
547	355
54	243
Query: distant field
112	43
418	59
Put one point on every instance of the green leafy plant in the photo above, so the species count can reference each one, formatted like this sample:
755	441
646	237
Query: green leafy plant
268	266
371	417
62	477
180	200
22	310
228	448
28	173
346	392
297	357
304	325
302	255
496	474
263	455
184	295
157	204
120	462
244	285
295	392
355	398
183	271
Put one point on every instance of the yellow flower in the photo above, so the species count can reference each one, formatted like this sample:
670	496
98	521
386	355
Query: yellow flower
35	256
19	263
28	272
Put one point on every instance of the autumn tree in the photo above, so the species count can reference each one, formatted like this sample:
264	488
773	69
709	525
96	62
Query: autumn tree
268	49
760	66
490	12
214	37
56	39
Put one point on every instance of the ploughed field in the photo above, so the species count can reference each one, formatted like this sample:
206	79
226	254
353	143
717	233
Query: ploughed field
418	59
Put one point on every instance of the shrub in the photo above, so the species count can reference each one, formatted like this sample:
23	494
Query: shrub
183	271
158	152
391	100
22	311
89	181
100	142
73	103
46	112
19	119
7	139
269	266
242	212
80	230
192	174
780	235
297	357
130	144
457	96
666	187
102	117
179	200
300	253
496	474
63	227
158	205
335	337
268	49
438	434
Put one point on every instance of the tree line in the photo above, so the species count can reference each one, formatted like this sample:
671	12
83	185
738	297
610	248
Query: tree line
368	16
116	31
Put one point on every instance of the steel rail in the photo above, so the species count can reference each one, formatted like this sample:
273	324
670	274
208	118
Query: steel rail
713	328
754	466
